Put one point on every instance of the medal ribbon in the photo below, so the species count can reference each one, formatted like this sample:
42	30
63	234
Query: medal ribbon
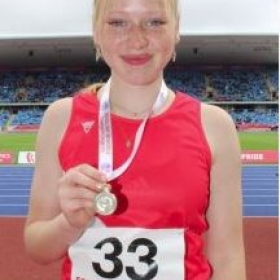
105	161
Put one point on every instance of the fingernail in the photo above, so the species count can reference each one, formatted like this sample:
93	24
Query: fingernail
99	187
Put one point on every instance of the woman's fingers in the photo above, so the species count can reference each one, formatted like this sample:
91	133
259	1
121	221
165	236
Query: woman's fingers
86	176
92	172
76	190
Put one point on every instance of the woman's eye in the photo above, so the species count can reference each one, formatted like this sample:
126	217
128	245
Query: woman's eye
155	22
118	23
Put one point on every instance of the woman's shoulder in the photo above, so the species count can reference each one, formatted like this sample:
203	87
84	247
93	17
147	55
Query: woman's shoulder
59	108
215	115
56	116
219	127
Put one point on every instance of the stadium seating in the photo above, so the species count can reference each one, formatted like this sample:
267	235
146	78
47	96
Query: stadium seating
227	84
239	85
45	86
267	117
222	84
24	117
190	81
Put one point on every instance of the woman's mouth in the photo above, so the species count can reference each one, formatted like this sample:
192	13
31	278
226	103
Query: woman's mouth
136	60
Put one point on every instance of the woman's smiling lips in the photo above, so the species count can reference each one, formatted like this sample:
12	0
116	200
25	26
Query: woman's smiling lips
137	60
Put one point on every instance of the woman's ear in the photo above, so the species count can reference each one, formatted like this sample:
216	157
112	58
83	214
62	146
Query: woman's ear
96	41
177	30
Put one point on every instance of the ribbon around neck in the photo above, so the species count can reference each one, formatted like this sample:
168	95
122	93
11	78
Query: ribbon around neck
105	149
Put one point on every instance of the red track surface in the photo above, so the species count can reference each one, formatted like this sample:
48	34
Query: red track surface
261	242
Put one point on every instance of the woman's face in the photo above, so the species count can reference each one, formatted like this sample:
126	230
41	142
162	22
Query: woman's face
137	38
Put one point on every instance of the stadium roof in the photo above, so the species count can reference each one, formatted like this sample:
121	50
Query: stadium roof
79	51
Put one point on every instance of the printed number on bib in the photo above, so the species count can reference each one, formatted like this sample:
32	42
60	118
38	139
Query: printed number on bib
118	266
128	254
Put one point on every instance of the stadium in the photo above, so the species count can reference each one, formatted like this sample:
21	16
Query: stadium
222	59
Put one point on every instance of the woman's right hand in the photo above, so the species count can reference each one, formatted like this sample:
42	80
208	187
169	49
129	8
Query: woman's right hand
76	191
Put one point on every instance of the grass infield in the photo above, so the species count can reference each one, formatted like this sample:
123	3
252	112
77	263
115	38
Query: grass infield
258	140
15	142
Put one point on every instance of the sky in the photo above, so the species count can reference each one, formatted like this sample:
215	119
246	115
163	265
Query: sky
230	16
48	18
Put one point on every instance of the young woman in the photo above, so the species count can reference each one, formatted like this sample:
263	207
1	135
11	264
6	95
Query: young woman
132	180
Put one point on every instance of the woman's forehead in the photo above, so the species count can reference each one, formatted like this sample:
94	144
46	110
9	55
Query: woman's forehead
130	6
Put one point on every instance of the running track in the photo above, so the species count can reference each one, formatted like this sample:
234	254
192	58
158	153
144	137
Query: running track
260	190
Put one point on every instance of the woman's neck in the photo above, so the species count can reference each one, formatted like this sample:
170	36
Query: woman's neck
133	101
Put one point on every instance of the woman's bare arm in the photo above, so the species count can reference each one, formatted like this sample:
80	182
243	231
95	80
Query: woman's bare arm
61	202
224	240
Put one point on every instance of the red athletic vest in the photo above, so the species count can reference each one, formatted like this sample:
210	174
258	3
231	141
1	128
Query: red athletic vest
167	184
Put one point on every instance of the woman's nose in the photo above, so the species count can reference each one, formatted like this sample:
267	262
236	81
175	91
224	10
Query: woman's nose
137	37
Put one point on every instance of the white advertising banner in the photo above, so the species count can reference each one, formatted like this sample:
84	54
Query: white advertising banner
26	157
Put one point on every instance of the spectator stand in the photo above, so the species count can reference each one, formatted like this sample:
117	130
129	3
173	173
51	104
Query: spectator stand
248	93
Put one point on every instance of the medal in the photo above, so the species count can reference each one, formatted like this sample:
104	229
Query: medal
105	202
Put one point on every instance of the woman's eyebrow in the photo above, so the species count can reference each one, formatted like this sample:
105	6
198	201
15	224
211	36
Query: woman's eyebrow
146	12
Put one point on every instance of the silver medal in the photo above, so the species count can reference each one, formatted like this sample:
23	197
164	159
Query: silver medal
105	202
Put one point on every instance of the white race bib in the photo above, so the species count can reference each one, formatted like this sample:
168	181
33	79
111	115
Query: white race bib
128	253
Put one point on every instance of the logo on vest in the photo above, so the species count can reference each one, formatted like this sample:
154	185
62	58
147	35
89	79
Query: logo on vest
87	126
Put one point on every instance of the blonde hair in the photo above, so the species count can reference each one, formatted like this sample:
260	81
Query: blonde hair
97	5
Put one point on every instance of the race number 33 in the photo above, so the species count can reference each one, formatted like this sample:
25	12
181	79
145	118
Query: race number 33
118	266
128	254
